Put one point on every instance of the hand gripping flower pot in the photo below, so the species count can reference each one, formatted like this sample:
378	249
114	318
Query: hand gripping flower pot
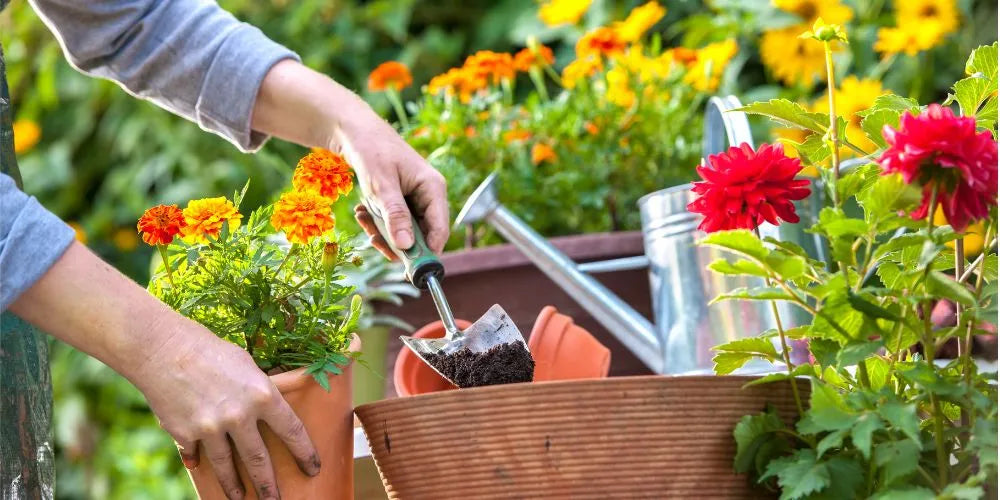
328	419
620	437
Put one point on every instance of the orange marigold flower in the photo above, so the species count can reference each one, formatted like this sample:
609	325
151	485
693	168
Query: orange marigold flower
160	224
470	131
324	172
81	234
591	128
685	56
602	41
302	215
390	74
528	58
26	134
579	69
205	217
491	66
516	134
460	81
542	152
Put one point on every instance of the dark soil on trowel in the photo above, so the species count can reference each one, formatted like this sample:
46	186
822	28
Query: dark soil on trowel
503	364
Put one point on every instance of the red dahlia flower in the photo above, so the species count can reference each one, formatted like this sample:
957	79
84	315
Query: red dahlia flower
938	149
743	188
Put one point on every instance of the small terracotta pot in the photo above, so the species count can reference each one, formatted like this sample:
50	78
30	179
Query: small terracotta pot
411	375
565	351
619	437
327	417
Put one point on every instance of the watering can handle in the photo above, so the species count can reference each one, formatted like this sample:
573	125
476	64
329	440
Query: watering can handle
723	126
418	260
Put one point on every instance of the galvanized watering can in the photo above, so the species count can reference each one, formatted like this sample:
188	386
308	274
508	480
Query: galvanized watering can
686	327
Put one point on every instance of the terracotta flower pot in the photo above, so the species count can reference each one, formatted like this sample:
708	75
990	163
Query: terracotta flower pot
625	437
328	420
411	375
565	351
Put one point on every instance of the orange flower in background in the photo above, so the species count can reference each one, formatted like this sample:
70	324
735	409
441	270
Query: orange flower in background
470	131
527	58
491	66
542	152
712	59
302	215
160	224
516	134
324	172
591	128
26	134
601	42
204	217
125	240
390	74
684	56
81	235
580	69
456	81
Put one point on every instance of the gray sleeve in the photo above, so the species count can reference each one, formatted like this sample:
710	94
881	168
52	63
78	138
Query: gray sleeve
31	240
188	56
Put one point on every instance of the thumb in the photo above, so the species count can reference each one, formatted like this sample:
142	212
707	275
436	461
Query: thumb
397	217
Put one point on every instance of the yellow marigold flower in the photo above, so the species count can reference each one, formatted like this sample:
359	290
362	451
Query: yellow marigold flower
707	69
639	21
908	38
26	134
516	134
323	172
620	87
390	74
542	152
528	58
832	11
302	215
600	42
943	13
205	217
491	66
456	81
559	12
853	96
81	235
125	240
791	59
580	69
974	234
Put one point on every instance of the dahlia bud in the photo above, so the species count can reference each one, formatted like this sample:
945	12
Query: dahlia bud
330	251
825	32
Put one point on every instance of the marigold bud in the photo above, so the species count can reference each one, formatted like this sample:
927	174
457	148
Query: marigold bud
330	251
357	261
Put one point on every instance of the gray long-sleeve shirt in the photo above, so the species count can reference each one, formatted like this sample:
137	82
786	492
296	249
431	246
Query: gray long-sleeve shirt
187	56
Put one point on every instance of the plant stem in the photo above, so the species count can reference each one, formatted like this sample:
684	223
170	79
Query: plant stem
967	350
397	104
539	80
938	422
166	265
834	139
283	261
959	271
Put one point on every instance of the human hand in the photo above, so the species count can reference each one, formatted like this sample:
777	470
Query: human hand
391	172
224	413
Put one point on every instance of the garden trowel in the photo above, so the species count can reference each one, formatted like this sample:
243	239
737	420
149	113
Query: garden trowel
425	271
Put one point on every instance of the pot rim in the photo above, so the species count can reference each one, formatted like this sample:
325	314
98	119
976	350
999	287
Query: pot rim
296	379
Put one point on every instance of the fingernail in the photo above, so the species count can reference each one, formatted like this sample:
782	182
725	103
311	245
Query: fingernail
189	462
404	238
316	466
236	494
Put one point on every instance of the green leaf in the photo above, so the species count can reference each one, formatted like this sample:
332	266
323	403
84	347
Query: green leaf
787	266
962	492
849	185
739	267
798	475
799	371
814	150
887	195
759	293
752	345
898	243
739	241
903	418
984	441
847	478
870	309
789	114
873	124
941	285
930	379
855	352
990	268
832	440
910	493
834	223
751	433
728	362
898	458
971	92
861	434
824	350
892	102
827	410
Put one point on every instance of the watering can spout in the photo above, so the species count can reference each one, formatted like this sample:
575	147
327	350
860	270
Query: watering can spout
630	327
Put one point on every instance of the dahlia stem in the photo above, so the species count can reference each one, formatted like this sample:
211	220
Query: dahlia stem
834	137
959	271
966	352
397	104
929	346
166	265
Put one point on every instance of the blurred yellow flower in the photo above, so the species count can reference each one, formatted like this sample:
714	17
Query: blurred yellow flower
711	61
791	59
81	235
854	95
910	38
579	69
974	234
558	12
26	135
125	240
542	152
620	87
792	134
600	42
943	13
639	21
205	217
832	11
302	215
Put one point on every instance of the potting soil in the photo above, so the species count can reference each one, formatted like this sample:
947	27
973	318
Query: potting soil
502	364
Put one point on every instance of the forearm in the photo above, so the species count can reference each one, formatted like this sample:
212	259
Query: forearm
88	304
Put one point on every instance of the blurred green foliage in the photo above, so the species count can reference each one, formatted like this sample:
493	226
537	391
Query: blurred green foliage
104	156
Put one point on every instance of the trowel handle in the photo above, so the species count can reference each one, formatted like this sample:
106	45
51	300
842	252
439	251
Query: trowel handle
419	261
